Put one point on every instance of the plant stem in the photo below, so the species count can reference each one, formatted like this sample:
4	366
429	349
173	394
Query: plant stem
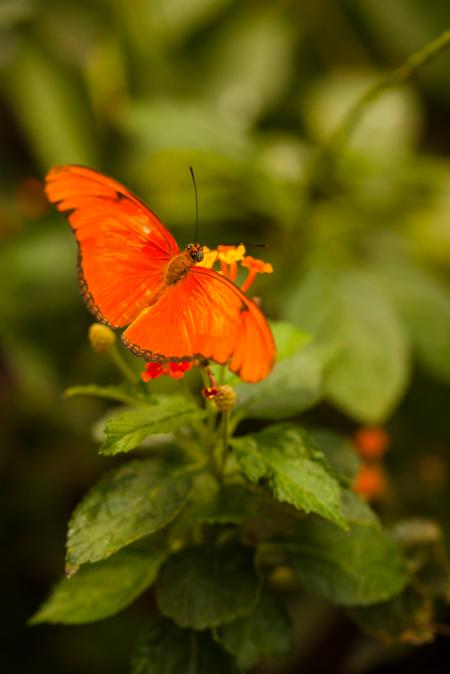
121	365
225	435
392	80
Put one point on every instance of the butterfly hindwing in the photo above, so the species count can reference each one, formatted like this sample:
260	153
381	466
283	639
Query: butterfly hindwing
205	316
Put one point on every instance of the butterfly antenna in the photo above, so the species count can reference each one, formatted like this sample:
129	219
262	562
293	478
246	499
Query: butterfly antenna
247	245
196	203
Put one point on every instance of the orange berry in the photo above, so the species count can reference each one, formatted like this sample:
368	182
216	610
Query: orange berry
372	442
370	482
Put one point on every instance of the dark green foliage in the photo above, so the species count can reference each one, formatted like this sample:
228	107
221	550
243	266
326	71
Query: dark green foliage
357	567
164	648
265	631
407	618
207	586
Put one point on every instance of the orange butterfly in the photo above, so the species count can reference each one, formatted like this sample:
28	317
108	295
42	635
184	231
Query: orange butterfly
132	272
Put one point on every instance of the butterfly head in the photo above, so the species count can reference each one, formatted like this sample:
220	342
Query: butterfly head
195	251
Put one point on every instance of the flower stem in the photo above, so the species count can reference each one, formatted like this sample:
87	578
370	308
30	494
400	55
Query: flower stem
249	280
121	364
394	79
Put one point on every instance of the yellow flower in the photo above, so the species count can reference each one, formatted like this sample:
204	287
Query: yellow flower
209	258
230	254
228	257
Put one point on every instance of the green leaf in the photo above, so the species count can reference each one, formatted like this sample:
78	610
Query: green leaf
288	339
121	393
349	312
339	452
191	125
359	567
294	385
128	503
265	631
43	96
203	587
287	458
103	589
248	49
164	648
405	619
164	414
357	511
233	504
424	306
229	504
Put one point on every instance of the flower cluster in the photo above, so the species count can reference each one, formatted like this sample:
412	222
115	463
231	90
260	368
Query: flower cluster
172	369
228	258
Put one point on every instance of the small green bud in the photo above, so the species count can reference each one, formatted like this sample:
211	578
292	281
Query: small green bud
225	398
101	337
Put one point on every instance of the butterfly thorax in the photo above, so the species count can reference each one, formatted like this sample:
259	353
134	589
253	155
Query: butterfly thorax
180	264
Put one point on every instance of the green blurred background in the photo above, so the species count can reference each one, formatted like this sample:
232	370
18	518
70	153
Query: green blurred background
359	236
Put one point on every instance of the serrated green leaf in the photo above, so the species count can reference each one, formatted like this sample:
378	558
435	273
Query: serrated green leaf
349	312
285	456
339	453
121	393
164	414
355	568
294	385
204	587
128	503
164	648
103	589
424	306
404	619
265	631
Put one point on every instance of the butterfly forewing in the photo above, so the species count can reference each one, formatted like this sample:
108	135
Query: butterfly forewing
124	248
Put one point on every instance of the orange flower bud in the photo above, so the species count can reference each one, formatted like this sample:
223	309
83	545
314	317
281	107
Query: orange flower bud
172	369
372	442
101	337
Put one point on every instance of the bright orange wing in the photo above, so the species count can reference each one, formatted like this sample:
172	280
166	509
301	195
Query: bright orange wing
205	316
124	248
